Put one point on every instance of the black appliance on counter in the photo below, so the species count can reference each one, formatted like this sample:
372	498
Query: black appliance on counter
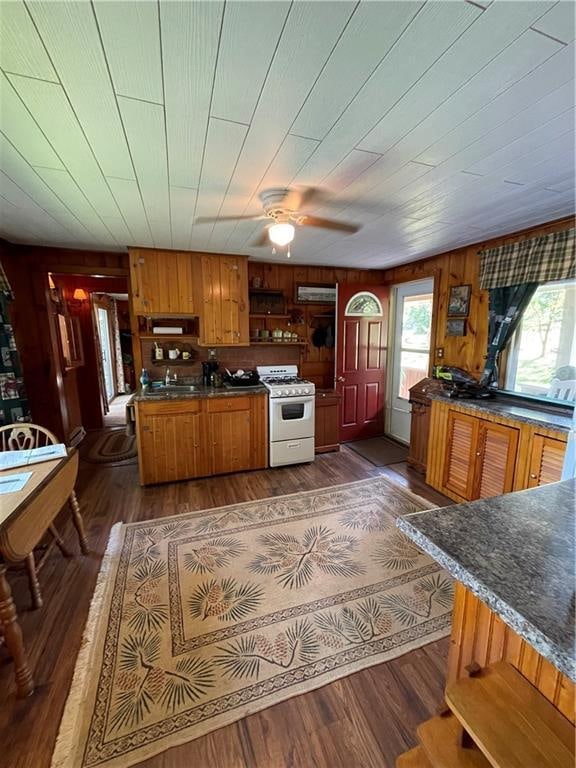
209	367
461	383
243	379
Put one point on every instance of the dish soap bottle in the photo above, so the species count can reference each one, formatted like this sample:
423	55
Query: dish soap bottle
144	378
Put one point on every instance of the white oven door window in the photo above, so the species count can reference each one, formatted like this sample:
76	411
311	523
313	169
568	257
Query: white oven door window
291	417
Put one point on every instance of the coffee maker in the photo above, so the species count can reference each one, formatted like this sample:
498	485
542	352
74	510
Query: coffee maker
208	368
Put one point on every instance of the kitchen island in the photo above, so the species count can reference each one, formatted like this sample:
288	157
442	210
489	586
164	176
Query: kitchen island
188	432
513	560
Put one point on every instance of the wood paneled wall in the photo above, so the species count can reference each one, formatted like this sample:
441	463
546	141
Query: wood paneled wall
87	376
52	393
456	268
316	364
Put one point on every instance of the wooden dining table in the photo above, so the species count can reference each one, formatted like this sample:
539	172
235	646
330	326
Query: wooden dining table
25	516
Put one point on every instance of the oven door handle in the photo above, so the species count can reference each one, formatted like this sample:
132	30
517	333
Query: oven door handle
293	399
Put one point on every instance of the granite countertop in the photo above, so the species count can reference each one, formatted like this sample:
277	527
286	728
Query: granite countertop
516	553
551	417
199	391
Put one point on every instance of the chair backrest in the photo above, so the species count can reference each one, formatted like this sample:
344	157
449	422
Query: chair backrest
21	437
562	390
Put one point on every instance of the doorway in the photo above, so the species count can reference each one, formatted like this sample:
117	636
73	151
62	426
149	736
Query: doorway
361	340
106	353
411	330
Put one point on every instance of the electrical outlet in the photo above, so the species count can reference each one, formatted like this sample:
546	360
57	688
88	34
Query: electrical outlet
439	352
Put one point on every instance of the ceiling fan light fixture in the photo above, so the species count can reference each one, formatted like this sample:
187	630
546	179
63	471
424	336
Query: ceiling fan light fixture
281	234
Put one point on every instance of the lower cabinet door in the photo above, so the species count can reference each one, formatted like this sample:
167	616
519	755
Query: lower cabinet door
171	447
462	435
546	460
496	459
230	443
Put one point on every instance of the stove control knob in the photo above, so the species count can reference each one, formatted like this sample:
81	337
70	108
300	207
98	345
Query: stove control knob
282	392
306	391
299	391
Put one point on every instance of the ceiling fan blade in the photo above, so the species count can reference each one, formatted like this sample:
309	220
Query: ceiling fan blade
262	240
341	226
300	197
216	219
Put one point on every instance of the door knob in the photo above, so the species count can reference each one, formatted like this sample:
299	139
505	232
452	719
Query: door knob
341	378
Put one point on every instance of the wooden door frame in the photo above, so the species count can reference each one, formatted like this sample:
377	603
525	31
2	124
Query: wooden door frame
97	304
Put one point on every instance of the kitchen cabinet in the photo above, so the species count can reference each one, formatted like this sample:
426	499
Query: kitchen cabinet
471	455
326	429
459	460
196	437
420	406
546	460
222	298
229	434
495	453
162	282
170	441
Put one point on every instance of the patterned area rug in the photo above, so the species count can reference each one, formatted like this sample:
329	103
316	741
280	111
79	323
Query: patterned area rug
201	619
108	446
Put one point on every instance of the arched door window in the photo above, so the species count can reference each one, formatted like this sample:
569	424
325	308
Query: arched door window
364	304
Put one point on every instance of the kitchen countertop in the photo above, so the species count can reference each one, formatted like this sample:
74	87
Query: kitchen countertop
200	391
516	553
509	408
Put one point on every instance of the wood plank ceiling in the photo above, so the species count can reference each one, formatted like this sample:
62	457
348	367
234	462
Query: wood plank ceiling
433	124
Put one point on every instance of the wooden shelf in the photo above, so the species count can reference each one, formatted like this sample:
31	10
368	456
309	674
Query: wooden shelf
278	343
510	721
158	336
439	738
270	317
271	291
171	363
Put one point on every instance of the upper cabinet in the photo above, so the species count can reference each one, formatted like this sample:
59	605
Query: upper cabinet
162	282
222	298
176	283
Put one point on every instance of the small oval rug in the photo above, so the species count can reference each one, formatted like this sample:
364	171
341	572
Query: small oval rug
108	446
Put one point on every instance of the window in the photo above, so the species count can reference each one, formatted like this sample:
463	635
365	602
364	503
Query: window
541	355
364	303
414	346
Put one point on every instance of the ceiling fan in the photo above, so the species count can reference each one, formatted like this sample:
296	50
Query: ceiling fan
285	209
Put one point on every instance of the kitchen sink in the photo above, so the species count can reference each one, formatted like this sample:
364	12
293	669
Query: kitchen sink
172	389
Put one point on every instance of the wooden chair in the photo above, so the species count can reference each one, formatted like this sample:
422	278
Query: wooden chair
21	437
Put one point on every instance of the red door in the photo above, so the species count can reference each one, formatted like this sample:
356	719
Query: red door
361	338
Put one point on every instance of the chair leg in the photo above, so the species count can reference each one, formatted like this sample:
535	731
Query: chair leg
37	601
77	520
60	542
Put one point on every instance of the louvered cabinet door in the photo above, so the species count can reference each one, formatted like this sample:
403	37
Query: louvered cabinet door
495	459
459	461
546	460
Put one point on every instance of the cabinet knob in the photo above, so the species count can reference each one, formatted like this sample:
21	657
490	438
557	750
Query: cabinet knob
478	453
533	476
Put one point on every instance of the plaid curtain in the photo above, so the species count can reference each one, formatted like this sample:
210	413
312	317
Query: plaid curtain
505	312
538	260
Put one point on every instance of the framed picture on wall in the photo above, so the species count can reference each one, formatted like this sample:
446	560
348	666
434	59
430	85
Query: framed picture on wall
459	300
456	327
315	293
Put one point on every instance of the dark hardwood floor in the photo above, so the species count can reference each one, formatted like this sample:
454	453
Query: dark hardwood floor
365	720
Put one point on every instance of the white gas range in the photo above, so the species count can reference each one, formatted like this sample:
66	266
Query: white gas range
291	414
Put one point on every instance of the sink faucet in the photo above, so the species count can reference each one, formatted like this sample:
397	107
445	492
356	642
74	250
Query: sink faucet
168	380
